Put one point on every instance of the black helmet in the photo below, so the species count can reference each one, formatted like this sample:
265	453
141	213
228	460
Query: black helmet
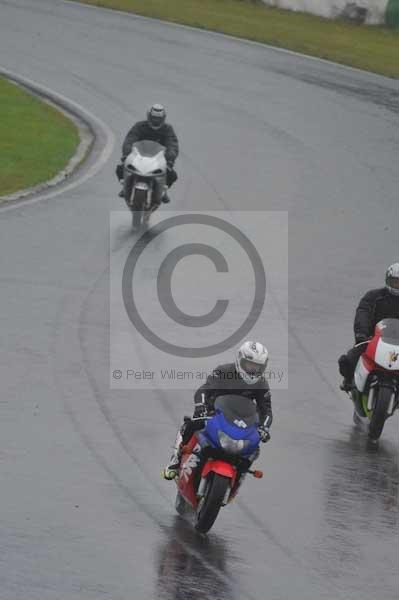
156	116
392	279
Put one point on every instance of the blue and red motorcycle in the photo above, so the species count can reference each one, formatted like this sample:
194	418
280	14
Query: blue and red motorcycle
217	458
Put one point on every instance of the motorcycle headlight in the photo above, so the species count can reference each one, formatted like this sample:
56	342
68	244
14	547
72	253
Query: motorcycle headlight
231	445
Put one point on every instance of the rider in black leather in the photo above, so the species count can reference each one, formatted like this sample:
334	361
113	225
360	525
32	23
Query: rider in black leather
224	380
382	303
156	129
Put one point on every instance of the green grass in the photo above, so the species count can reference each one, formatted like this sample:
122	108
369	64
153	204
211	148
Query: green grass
36	141
370	48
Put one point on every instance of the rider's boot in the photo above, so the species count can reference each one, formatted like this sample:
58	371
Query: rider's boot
165	198
346	370
346	385
122	191
172	468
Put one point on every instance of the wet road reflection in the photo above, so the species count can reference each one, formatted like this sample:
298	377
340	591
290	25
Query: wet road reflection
362	484
192	567
361	511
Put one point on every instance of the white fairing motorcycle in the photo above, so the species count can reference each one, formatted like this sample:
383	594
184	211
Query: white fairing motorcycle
376	390
144	177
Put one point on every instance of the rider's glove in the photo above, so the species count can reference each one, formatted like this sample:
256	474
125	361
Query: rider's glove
360	337
264	434
119	171
199	411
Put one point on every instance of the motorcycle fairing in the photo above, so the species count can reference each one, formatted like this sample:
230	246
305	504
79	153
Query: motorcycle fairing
363	369
387	355
384	346
189	462
382	352
222	468
147	158
204	449
220	423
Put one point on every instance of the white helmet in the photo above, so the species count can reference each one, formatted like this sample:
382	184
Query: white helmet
156	116
251	361
392	279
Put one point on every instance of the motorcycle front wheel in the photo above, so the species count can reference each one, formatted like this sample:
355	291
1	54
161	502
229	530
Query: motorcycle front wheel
379	415
139	201
212	503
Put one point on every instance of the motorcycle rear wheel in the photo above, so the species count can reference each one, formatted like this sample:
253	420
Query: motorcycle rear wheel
379	415
212	504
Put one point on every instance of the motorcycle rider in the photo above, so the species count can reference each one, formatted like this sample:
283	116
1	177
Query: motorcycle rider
245	378
156	129
382	303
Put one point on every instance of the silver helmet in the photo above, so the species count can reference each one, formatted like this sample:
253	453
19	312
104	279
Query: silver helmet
251	361
156	116
392	279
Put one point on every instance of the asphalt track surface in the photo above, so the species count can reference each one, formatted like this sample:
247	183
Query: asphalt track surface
84	513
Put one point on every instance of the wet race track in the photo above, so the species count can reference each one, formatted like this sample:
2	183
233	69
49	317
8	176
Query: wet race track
84	511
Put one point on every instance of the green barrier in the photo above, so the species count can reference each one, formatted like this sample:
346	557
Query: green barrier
392	14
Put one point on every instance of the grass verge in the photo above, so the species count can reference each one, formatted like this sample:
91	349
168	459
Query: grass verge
36	140
370	48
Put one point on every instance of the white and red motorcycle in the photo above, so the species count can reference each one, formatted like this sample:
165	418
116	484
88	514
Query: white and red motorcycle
144	180
376	382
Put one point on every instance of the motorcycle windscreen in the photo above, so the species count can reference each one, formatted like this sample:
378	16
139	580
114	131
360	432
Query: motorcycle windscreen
389	331
148	148
237	408
387	348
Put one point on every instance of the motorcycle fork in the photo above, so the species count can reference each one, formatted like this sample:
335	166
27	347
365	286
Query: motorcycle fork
393	404
368	402
237	485
364	399
199	481
202	491
227	496
148	206
128	189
